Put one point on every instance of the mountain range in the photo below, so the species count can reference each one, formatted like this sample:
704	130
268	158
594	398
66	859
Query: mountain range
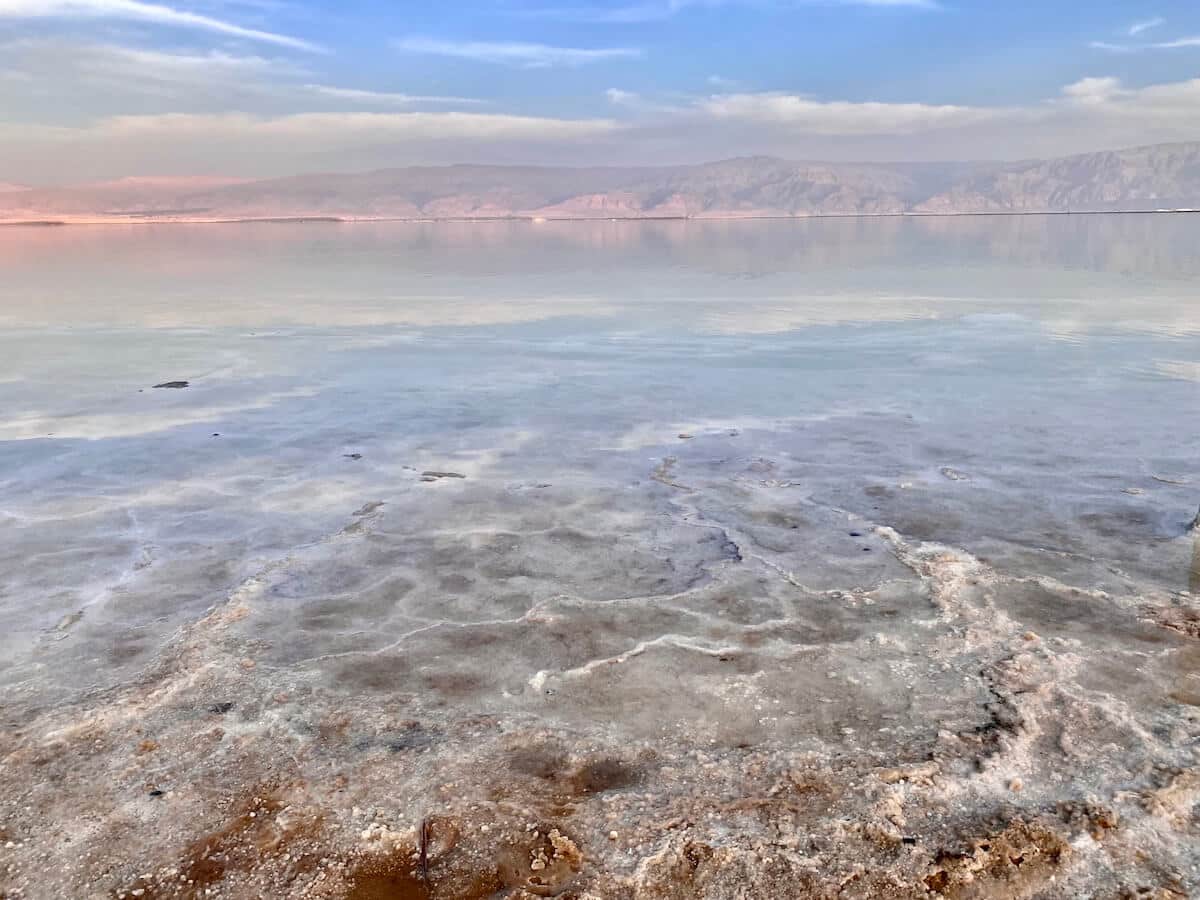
1160	177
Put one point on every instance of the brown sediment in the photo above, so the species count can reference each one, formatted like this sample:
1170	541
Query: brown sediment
538	863
393	878
1012	863
1182	617
238	844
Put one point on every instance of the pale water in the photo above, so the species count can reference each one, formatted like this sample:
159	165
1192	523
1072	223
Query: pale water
607	526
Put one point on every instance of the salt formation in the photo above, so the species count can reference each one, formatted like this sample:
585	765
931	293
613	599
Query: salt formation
896	602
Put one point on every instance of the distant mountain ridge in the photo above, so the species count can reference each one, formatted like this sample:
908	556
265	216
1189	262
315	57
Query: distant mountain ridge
1165	176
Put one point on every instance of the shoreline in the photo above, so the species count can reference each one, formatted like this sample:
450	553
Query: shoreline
541	220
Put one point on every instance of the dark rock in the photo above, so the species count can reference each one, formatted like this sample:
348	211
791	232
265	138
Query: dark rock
174	384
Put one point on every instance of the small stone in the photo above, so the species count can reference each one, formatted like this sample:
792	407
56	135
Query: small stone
537	865
612	835
1016	785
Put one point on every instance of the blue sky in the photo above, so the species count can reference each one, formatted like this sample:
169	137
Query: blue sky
98	88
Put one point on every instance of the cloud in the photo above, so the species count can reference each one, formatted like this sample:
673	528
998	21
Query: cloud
1138	27
839	117
56	79
515	53
659	10
138	11
1134	30
1093	113
338	128
1094	91
1178	44
386	98
261	145
48	76
618	97
1171	104
44	77
634	102
1113	48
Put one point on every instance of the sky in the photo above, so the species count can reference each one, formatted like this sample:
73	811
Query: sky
93	89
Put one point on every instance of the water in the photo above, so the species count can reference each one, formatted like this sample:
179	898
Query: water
605	525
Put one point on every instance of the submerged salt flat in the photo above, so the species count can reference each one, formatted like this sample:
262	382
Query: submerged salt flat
807	556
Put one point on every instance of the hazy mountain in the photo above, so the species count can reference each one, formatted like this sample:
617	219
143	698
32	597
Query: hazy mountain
1165	176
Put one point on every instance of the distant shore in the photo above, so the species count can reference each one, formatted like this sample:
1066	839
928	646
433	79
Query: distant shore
423	220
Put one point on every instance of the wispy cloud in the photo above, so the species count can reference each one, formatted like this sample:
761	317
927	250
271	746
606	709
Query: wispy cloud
1086	115
100	79
1110	47
1138	27
1183	43
618	97
386	98
635	102
526	55
658	10
261	145
138	11
1178	44
840	117
52	72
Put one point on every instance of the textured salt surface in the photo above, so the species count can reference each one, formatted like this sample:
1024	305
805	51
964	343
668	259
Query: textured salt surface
721	587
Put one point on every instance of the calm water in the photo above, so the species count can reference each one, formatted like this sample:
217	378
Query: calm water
833	544
1056	361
